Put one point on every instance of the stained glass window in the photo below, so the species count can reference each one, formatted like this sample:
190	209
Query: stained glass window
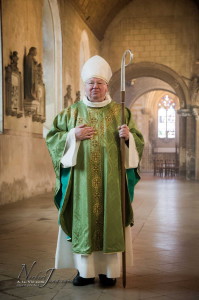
166	118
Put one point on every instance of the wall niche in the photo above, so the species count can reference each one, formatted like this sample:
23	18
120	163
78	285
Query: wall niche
33	101
34	88
14	104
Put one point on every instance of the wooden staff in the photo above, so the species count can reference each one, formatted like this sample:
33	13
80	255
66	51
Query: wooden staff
122	150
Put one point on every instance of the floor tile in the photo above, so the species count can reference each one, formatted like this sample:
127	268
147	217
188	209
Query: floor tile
165	245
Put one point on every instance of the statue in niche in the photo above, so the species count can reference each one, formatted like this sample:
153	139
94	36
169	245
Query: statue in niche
34	88
68	98
13	87
194	91
77	96
30	66
14	61
39	114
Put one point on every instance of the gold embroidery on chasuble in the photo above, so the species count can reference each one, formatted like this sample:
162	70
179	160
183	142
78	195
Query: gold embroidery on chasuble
100	121
96	167
80	121
74	113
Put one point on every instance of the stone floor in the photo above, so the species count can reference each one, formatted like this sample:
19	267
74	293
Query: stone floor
165	239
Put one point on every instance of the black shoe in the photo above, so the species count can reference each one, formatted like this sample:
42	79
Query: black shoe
107	281
80	281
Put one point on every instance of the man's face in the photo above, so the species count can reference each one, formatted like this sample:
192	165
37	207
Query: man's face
96	89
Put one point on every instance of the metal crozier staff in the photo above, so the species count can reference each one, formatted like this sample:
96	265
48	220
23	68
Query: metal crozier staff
122	148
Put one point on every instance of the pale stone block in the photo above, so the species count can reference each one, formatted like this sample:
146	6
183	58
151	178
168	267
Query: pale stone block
145	54
134	31
144	43
143	20
151	48
165	42
164	53
149	36
159	36
151	54
178	52
139	49
159	47
162	25
138	37
150	25
135	43
155	30
144	31
171	47
156	53
138	25
170	36
165	30
173	42
155	42
123	43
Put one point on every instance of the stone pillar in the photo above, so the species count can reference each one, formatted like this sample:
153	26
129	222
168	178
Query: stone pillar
196	114
187	143
190	147
147	160
182	143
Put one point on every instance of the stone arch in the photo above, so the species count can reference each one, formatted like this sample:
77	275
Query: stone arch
84	55
52	60
145	77
160	75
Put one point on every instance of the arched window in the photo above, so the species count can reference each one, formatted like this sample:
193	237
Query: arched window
166	118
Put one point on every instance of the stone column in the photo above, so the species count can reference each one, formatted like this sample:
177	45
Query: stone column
190	147
182	142
196	114
147	160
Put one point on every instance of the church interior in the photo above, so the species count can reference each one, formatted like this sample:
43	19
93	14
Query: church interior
56	37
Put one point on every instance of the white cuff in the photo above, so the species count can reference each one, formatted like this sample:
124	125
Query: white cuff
131	154
69	159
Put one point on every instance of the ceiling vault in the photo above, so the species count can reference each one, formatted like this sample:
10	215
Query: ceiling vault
98	14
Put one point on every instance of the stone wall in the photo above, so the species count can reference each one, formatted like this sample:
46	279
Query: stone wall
72	28
165	33
21	29
25	164
25	167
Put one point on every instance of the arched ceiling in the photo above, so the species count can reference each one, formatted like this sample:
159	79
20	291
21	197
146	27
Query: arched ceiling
98	14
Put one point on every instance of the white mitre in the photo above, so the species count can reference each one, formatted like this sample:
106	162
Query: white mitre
97	67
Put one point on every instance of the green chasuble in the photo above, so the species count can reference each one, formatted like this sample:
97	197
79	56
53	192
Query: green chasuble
88	195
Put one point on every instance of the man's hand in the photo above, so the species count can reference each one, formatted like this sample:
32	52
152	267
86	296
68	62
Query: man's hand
82	132
124	132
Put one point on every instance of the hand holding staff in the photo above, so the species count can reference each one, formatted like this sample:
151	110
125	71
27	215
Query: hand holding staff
122	148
